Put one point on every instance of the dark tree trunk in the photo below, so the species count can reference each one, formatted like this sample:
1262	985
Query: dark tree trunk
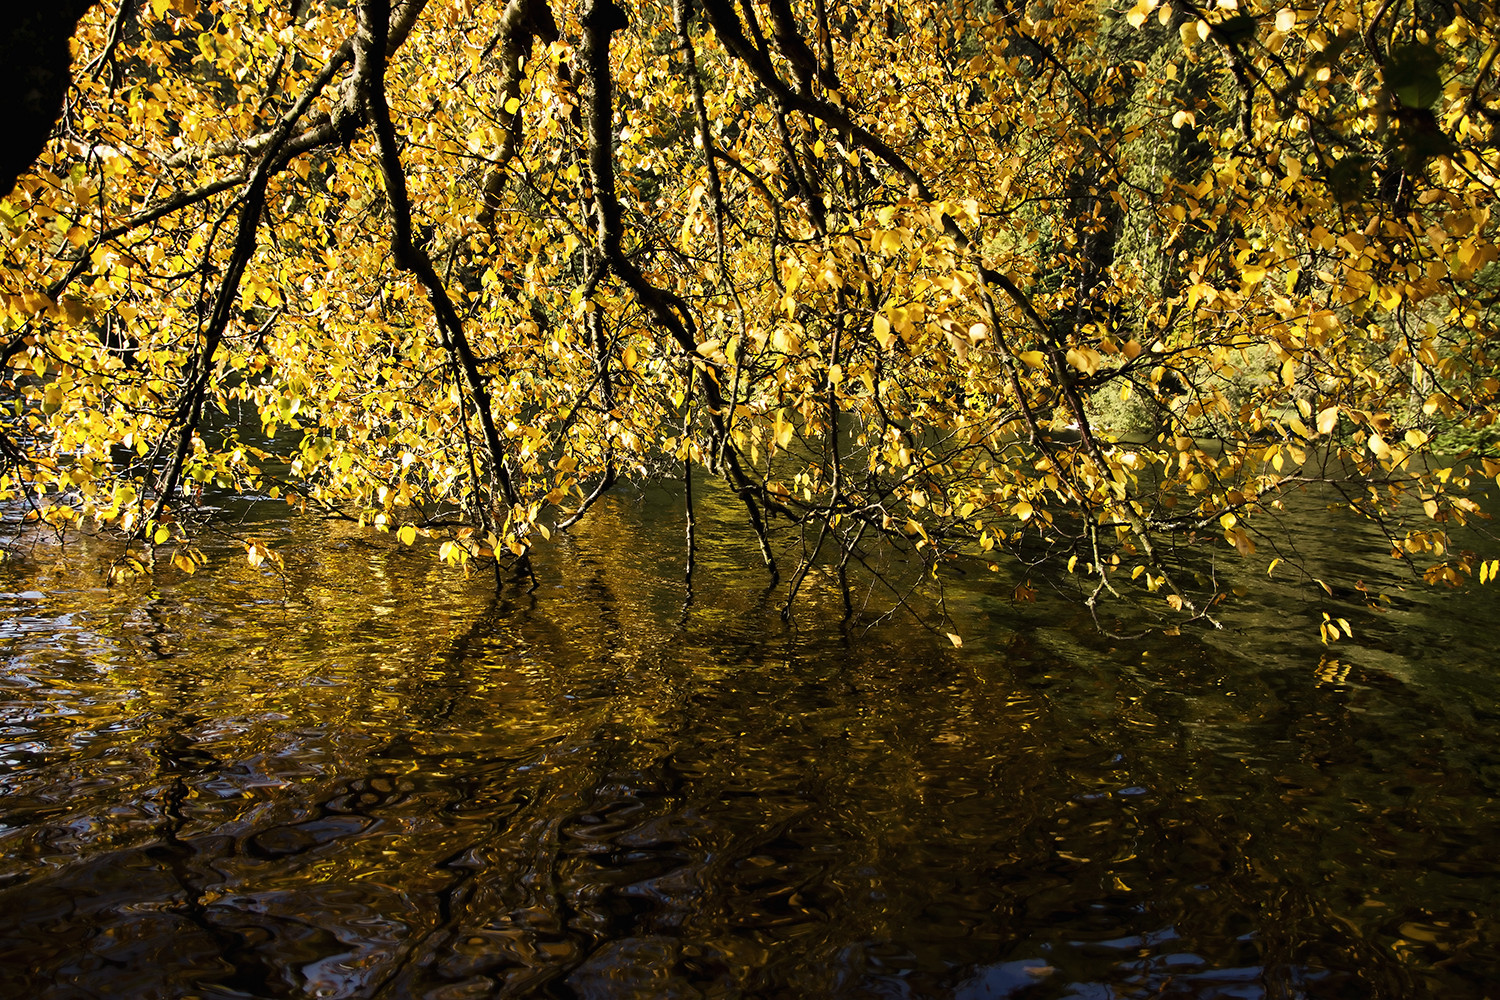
34	71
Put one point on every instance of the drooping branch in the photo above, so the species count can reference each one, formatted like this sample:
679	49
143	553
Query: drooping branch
700	114
126	11
726	24
369	84
252	205
522	23
272	145
604	380
601	19
794	47
276	153
321	128
1074	403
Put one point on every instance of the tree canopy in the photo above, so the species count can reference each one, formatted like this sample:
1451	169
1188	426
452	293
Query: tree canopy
1063	280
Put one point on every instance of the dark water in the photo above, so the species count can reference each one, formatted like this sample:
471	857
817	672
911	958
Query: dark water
369	778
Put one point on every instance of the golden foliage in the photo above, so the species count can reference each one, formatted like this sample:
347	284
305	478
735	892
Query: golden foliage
891	268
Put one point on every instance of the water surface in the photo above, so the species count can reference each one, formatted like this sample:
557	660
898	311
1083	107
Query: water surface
370	777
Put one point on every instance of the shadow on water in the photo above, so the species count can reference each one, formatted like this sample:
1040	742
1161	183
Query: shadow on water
372	778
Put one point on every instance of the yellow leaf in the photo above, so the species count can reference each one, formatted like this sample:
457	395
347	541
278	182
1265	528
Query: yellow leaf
1286	20
1241	541
1033	359
1085	359
1138	13
781	430
512	106
1328	419
407	534
955	639
1022	509
162	534
883	334
892	240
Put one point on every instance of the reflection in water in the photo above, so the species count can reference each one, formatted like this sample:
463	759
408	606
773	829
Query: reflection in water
371	779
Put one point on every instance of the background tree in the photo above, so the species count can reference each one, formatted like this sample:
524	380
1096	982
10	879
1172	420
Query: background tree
888	270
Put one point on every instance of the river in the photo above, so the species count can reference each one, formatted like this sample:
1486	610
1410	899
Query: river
367	776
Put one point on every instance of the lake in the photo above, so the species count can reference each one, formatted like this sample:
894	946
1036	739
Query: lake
368	777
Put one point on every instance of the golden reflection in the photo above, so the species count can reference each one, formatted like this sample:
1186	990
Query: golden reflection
364	776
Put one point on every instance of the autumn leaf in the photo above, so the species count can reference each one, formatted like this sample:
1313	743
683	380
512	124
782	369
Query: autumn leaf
1137	15
1085	359
939	283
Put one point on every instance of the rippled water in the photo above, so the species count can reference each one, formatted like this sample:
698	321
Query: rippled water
369	778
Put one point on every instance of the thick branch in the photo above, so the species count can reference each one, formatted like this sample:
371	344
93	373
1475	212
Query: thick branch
521	24
369	80
727	24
